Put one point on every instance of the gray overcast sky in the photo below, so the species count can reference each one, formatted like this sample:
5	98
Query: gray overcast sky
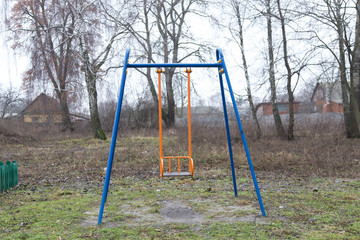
11	65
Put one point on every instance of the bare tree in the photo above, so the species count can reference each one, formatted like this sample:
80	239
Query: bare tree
356	56
162	35
89	18
290	92
239	38
290	71
353	50
333	14
43	28
146	40
337	19
10	99
170	19
141	28
278	123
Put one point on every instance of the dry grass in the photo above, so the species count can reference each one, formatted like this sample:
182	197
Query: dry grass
306	185
315	151
66	157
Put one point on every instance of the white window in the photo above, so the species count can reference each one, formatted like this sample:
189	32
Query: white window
282	107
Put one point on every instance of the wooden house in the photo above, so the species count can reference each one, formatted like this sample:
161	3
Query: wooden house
265	109
327	97
44	109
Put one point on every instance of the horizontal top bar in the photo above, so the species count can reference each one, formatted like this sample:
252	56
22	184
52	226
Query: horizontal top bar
157	65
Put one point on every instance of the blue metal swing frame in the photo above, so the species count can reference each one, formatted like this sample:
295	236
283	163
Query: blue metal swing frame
220	64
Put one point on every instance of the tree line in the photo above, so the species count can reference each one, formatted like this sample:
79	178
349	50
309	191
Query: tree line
76	43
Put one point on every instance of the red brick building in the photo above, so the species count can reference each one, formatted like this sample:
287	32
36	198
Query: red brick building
265	108
327	97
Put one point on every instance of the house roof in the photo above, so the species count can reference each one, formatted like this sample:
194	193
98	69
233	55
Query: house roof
332	91
42	104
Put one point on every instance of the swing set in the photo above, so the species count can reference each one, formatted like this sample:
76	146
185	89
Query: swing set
222	70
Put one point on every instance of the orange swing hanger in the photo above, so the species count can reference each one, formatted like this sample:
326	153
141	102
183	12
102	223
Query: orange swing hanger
191	162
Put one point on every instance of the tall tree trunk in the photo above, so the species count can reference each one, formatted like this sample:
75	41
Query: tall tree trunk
170	116
151	86
290	132
90	79
149	50
356	59
170	22
245	66
96	127
345	89
168	82
66	121
355	77
278	123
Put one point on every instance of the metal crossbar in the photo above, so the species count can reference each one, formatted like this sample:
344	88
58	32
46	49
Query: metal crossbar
180	65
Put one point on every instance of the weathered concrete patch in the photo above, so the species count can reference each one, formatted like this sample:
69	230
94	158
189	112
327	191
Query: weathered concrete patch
178	212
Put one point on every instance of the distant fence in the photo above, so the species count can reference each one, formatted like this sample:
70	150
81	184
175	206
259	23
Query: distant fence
8	175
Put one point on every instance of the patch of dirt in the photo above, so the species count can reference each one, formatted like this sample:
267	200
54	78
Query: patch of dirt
89	221
92	220
177	212
180	212
140	215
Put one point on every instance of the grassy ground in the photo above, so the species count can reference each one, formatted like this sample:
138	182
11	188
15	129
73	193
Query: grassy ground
310	189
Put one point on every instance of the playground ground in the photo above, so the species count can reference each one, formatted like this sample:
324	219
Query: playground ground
310	189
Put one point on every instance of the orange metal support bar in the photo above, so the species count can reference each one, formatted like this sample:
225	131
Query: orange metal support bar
191	166
159	71
188	71
161	167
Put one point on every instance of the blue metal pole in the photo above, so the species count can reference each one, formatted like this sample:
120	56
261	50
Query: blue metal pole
113	139
160	65
220	56
228	134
